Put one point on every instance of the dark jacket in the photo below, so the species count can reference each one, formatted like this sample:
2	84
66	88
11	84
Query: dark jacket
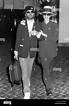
24	42
48	47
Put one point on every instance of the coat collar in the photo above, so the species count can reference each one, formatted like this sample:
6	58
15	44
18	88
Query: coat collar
24	22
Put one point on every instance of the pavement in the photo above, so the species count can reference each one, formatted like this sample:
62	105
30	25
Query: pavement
60	79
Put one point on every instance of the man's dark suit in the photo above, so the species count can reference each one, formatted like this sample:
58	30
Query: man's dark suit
48	49
24	42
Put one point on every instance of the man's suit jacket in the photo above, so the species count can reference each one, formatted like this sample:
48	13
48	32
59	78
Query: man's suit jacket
24	42
48	47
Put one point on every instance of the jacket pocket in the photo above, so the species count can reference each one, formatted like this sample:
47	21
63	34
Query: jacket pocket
21	45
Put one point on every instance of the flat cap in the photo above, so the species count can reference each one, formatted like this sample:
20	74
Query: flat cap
29	8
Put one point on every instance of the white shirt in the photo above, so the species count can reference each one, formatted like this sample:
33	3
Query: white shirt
30	24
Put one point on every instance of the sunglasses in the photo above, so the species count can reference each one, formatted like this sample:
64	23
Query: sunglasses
47	14
29	12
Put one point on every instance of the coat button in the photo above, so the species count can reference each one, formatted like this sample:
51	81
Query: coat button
49	28
45	59
22	38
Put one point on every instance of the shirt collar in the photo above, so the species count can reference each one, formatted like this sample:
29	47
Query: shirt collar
30	21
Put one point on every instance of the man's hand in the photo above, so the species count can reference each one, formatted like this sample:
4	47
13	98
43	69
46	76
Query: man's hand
23	22
38	35
16	55
42	33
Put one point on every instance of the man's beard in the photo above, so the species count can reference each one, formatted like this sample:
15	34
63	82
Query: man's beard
29	18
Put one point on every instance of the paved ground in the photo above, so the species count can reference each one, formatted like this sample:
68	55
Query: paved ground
60	79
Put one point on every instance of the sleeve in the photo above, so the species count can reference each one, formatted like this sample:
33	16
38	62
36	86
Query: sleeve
41	38
56	32
39	27
18	34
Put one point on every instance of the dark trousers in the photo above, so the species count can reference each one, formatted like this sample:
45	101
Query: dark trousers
46	72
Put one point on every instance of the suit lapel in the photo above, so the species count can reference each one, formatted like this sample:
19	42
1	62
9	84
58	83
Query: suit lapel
33	26
26	27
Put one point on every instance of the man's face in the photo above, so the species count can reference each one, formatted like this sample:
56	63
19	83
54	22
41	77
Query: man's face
46	17
30	14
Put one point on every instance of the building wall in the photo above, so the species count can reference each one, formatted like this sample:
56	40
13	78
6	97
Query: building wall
30	2
17	4
8	4
64	22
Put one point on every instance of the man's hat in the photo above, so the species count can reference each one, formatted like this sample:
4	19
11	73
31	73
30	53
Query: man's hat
47	10
29	8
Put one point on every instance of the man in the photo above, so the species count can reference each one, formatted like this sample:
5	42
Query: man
26	47
48	46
